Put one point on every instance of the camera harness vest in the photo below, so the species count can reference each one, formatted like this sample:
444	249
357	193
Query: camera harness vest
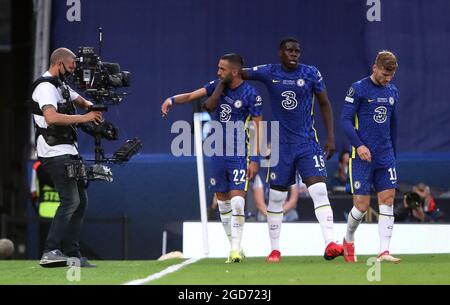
55	134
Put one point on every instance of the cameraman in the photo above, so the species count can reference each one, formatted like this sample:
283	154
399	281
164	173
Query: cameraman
411	209
55	121
432	212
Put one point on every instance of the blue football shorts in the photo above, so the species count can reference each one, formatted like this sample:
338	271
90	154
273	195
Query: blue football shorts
306	158
381	173
228	173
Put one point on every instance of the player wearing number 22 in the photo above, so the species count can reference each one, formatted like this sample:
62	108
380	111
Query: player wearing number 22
237	105
369	120
293	88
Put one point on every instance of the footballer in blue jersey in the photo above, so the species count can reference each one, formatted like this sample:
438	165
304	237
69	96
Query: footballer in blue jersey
368	117
293	89
239	104
369	120
292	94
235	101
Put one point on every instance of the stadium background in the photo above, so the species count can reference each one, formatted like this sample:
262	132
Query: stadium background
172	46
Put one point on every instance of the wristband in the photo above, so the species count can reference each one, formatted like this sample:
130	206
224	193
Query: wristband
172	100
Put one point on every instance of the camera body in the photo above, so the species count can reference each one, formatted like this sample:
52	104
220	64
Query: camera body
413	200
101	81
98	79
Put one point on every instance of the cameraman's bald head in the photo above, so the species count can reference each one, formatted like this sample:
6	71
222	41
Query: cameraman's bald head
61	55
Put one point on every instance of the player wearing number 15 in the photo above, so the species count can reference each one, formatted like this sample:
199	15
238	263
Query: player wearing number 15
369	120
293	88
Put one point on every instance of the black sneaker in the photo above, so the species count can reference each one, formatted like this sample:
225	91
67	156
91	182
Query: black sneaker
52	259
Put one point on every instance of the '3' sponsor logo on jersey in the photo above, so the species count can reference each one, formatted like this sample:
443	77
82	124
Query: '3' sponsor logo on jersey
380	115
225	113
289	102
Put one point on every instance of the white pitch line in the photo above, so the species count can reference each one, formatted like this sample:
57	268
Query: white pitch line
160	274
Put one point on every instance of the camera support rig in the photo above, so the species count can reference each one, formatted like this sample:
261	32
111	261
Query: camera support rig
123	154
100	81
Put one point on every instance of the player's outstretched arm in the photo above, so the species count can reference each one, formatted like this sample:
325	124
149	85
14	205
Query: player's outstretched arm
181	99
327	113
259	73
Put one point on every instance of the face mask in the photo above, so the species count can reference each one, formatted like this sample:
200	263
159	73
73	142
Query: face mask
66	74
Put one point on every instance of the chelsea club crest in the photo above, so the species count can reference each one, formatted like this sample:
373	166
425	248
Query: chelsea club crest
300	82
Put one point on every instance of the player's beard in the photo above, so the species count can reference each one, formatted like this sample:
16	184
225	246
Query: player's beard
227	80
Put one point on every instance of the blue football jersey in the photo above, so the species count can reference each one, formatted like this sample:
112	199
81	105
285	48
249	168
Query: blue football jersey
368	115
292	99
236	105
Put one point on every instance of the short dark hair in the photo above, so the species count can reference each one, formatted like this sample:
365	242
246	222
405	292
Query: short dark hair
60	54
234	59
286	40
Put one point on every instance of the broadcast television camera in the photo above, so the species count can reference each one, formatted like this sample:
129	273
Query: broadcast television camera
102	82
413	200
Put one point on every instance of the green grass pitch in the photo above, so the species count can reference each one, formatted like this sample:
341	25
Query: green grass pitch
414	269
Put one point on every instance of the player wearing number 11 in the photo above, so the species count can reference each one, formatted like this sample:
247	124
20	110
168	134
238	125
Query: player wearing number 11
369	120
293	88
